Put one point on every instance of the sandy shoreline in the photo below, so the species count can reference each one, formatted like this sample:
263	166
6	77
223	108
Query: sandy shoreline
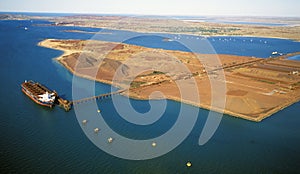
282	101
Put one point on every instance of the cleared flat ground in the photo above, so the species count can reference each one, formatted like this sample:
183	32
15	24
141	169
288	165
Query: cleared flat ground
245	87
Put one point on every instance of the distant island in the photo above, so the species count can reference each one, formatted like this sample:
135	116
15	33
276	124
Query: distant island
256	87
288	30
287	27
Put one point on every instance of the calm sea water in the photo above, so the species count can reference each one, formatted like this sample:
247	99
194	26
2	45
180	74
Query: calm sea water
35	139
224	21
297	57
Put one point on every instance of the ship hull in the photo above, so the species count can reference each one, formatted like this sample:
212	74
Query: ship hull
50	105
27	89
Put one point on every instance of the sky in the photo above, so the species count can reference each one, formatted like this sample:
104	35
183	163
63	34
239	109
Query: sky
158	7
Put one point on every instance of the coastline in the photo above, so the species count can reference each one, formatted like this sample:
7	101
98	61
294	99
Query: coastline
65	65
289	31
259	117
185	33
170	26
36	139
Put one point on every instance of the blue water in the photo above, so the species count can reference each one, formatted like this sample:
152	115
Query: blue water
194	18
222	21
243	46
297	57
39	140
251	23
40	14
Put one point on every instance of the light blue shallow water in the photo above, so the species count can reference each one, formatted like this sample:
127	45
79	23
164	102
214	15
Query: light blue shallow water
297	57
224	21
35	139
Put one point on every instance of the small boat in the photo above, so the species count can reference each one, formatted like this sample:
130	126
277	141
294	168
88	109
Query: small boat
168	40
39	93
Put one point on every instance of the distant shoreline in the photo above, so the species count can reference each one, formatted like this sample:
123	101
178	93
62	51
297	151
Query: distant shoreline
152	24
195	35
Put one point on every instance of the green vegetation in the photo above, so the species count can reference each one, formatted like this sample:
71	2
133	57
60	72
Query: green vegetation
151	74
266	81
296	84
136	84
156	73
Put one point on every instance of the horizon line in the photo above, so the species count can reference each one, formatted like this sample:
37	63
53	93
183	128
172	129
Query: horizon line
161	15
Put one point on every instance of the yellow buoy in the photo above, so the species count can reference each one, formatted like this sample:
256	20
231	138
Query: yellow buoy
189	164
153	144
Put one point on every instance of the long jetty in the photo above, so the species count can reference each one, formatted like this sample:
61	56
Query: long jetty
67	105
99	97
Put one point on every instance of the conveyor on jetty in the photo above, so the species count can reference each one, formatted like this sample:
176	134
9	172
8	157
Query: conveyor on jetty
67	105
36	91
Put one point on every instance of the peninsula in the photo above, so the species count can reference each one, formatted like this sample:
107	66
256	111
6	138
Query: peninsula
256	88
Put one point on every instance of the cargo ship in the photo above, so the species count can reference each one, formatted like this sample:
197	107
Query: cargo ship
39	93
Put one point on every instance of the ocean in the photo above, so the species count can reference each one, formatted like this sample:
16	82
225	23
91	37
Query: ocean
294	57
35	139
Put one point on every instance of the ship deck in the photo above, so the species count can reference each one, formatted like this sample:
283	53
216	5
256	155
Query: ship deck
35	88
